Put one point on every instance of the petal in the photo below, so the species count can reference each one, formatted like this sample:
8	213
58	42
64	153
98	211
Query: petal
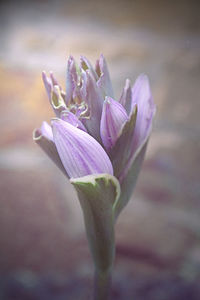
126	97
141	95
80	153
71	118
129	183
121	153
137	140
43	137
94	100
104	82
57	101
71	79
85	65
46	131
113	118
48	84
55	82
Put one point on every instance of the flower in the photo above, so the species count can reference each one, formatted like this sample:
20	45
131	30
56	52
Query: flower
99	143
97	121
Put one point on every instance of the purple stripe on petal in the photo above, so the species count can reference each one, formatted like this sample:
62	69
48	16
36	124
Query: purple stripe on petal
71	118
80	153
113	118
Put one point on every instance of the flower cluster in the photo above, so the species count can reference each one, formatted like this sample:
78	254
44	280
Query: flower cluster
93	132
99	143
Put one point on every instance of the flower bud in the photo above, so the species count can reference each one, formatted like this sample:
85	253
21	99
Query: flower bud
80	153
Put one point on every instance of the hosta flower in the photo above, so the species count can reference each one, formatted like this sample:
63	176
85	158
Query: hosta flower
98	141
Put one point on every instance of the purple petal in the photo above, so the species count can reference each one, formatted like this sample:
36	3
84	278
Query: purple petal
94	100
104	82
71	118
121	153
48	84
141	96
126	97
57	101
43	137
71	79
113	118
85	65
46	131
80	153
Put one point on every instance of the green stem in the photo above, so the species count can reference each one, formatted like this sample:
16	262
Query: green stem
102	285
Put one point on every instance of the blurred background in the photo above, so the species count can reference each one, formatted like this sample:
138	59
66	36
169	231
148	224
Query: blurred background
43	248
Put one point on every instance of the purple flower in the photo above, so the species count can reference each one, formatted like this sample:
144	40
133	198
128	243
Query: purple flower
94	133
99	143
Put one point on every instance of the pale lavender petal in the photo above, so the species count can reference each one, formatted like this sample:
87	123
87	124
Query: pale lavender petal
80	153
141	96
71	79
94	100
57	101
113	118
126	96
85	65
53	79
104	82
43	137
55	82
97	68
48	84
46	131
71	118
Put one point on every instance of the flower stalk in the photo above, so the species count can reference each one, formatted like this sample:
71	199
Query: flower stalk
99	143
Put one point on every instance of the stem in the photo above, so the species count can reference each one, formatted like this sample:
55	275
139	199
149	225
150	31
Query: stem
102	284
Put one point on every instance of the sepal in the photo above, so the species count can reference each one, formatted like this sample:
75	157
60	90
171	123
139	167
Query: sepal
97	195
129	182
121	153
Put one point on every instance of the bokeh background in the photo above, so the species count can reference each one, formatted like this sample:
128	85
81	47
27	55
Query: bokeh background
43	248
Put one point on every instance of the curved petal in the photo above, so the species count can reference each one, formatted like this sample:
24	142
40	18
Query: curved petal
141	96
48	84
85	65
43	137
94	100
46	131
113	118
104	82
121	153
80	153
71	118
57	101
71	79
126	97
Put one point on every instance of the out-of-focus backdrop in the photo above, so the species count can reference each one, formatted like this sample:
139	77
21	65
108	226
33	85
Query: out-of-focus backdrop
43	248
